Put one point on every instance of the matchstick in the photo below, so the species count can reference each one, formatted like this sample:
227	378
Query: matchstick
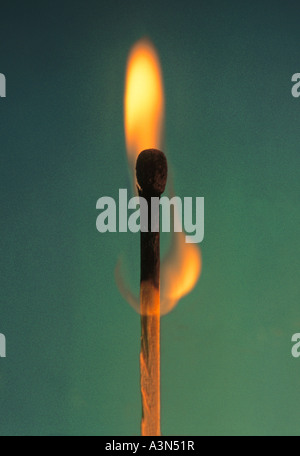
151	172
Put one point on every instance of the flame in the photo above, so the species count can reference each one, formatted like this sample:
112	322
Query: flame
143	100
143	118
180	272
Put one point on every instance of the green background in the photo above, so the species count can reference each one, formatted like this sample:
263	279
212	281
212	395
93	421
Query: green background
232	136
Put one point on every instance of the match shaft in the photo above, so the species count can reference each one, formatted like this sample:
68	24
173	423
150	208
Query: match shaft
151	172
150	319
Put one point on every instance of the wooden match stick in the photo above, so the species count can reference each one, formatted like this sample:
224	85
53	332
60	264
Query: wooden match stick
151	172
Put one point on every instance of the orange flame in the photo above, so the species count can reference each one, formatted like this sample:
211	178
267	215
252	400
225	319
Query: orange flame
143	101
144	115
180	272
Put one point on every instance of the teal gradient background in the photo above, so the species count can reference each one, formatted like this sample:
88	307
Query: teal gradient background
232	136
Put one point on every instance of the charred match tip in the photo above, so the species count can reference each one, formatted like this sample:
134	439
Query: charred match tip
151	172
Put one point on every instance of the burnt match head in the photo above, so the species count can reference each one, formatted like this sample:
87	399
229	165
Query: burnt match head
151	172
